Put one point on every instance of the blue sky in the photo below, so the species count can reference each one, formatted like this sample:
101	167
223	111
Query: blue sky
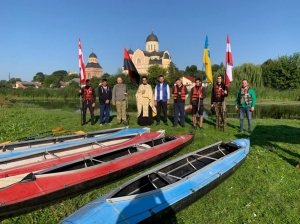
42	36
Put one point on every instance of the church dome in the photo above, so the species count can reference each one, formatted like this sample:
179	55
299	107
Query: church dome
130	51
152	37
93	55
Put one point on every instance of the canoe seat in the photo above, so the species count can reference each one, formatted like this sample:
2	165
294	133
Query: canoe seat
152	182
142	147
168	177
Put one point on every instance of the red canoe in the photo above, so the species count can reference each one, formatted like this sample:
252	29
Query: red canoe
91	171
45	164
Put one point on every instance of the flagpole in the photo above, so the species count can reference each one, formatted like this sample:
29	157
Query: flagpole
80	101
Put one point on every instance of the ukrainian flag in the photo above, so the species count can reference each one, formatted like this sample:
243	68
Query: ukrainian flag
206	62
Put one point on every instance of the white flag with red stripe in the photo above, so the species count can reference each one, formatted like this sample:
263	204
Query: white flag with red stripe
229	63
82	74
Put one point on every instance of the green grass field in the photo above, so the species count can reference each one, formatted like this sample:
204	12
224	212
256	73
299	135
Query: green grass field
265	189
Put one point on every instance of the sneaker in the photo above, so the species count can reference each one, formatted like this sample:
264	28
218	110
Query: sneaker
240	131
174	125
125	122
157	123
119	122
201	128
108	123
193	127
100	124
182	126
166	124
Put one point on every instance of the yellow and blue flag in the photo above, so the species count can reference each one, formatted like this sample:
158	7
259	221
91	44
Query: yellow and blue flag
206	62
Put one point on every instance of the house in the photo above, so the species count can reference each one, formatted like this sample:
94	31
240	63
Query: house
24	84
188	81
64	84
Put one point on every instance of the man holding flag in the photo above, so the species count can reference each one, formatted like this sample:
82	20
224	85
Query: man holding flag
218	94
220	90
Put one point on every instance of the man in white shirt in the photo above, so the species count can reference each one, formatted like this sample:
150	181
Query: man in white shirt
162	99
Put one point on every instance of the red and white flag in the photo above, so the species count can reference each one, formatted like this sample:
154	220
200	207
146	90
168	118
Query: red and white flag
82	74
229	63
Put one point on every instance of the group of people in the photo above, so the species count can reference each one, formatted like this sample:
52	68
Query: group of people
150	105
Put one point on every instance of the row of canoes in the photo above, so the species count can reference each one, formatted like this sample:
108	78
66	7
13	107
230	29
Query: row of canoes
39	172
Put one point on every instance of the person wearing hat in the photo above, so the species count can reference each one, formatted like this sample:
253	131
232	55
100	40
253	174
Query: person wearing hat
88	101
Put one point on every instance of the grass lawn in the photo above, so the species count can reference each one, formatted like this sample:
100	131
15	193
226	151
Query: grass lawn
265	189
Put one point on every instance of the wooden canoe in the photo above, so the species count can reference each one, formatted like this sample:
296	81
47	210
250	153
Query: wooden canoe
71	178
166	189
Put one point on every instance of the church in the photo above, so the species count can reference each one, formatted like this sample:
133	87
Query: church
143	59
93	68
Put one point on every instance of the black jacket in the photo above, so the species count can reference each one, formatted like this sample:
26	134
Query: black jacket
104	95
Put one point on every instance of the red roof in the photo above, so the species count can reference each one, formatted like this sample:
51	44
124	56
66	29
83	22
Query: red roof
192	79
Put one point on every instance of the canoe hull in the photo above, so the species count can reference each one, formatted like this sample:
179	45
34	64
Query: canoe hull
195	196
71	190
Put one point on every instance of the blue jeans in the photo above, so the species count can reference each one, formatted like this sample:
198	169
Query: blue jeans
104	108
248	112
179	108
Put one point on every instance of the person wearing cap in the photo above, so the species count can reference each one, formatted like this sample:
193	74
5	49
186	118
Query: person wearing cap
105	95
88	101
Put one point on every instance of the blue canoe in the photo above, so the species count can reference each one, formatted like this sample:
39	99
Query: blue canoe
49	148
166	189
34	143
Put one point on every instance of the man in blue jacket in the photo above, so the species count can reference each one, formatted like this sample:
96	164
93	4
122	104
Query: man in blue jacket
105	95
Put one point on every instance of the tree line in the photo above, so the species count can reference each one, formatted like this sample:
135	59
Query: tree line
282	73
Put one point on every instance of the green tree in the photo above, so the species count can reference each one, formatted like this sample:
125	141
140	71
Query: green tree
73	84
60	74
154	71
39	77
51	81
105	76
4	84
70	77
191	70
14	80
251	72
173	73
282	73
95	81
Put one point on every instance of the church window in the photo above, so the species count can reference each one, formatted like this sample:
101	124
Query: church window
139	61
